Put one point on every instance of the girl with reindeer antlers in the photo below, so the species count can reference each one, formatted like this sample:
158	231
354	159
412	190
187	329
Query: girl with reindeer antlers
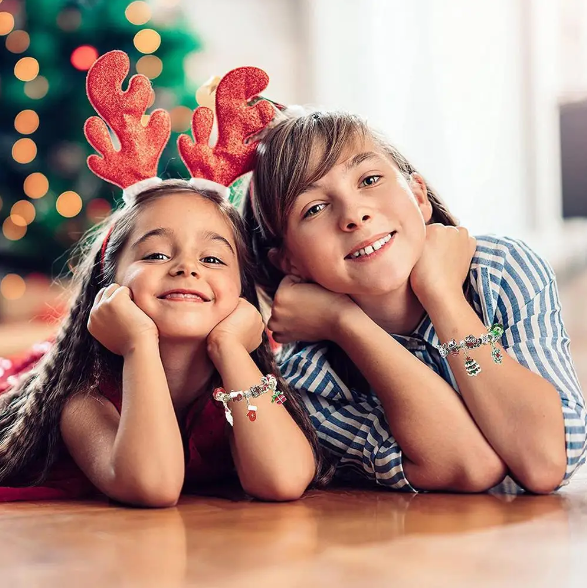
162	374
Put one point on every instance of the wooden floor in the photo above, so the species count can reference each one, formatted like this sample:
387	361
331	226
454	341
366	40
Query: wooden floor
334	538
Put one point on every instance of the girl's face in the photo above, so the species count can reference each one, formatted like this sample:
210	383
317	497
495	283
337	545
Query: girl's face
181	266
363	204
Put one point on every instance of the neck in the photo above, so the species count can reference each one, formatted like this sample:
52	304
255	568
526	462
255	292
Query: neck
188	370
397	312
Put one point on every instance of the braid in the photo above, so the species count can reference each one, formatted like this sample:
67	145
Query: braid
29	417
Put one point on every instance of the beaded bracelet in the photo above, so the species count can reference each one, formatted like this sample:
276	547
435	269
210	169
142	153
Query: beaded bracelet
493	334
268	384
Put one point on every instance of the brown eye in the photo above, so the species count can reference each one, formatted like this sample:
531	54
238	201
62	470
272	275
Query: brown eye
313	210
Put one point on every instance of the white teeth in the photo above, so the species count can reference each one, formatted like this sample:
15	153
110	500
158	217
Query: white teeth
181	295
373	247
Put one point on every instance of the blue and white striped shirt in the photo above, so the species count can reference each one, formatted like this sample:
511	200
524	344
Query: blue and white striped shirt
509	284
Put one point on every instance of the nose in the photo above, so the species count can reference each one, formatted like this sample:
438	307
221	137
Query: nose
184	268
353	217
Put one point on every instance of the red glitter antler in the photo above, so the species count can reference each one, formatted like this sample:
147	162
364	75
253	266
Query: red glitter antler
140	146
231	157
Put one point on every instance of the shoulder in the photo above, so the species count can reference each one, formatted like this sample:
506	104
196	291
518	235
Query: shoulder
512	264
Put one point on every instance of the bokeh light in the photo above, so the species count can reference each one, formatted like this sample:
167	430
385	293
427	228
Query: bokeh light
24	150
23	213
181	118
37	89
98	209
147	41
26	122
6	23
11	231
12	287
83	57
36	185
18	41
69	19
150	66
138	13
69	204
26	69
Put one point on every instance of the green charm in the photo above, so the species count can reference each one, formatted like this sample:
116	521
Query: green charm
472	367
496	331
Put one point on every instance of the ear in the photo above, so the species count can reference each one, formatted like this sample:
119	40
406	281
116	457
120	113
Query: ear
282	262
420	191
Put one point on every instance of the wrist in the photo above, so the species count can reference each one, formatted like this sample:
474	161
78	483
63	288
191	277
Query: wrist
443	300
346	323
143	344
221	349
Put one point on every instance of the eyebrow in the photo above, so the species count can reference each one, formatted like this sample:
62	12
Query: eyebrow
359	158
212	236
163	232
348	166
160	232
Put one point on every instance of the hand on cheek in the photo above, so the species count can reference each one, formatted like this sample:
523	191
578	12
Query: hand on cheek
444	264
303	311
117	322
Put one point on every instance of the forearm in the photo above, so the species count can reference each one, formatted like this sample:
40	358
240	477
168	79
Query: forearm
518	411
443	446
148	451
273	458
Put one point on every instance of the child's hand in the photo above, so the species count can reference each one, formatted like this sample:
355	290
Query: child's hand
243	326
117	322
444	265
306	312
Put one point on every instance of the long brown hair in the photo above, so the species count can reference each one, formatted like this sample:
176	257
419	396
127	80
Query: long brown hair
77	363
284	169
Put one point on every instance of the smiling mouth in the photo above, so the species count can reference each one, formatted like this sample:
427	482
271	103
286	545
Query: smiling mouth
183	296
372	248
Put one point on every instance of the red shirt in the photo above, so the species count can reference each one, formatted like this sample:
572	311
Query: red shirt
206	446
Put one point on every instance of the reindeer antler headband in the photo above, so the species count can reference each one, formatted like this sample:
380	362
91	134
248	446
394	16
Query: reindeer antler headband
134	166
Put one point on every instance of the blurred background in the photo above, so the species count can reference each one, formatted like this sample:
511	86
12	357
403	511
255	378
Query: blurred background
488	99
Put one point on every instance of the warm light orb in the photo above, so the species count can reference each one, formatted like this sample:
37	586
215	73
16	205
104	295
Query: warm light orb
18	41
36	185
150	66
181	118
83	57
147	41
69	204
26	69
138	13
26	122
12	287
6	23
23	213
24	151
11	231
37	89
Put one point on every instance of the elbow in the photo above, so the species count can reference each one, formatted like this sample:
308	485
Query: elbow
481	475
146	494
278	490
541	478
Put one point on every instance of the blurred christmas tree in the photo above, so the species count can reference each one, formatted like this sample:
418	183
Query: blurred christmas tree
48	197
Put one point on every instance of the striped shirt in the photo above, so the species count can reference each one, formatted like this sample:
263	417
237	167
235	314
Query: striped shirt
509	284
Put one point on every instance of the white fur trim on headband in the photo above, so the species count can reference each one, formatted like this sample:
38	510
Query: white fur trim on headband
129	194
204	184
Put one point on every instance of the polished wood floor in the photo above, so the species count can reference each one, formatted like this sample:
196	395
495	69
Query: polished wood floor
338	538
